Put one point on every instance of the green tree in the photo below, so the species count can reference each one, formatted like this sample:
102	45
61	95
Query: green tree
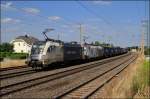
147	51
6	47
97	43
103	44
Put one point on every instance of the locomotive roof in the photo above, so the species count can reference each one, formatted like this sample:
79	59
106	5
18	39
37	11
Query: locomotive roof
53	40
40	42
64	44
72	44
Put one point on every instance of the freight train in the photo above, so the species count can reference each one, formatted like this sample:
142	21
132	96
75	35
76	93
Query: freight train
44	53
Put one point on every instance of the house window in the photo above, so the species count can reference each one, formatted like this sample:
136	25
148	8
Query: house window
24	44
19	44
21	51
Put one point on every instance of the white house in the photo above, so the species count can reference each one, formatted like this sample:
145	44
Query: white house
23	44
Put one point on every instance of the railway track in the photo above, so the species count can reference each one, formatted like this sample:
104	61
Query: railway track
15	72
12	68
11	88
91	86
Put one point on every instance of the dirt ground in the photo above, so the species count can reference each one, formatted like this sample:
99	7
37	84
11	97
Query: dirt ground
120	86
12	63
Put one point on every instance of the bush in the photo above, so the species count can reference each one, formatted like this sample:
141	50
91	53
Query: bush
6	47
17	56
141	80
13	55
147	51
4	54
1	59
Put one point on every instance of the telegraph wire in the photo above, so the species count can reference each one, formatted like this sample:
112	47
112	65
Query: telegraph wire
98	16
93	13
67	22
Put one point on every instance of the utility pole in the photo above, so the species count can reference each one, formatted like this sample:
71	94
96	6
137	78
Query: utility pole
58	36
144	27
85	38
80	34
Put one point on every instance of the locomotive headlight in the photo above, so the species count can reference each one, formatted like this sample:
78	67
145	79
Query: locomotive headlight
44	59
43	56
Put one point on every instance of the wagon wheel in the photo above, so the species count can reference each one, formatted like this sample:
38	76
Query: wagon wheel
36	67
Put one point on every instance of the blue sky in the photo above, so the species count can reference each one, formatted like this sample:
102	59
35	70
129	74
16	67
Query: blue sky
117	22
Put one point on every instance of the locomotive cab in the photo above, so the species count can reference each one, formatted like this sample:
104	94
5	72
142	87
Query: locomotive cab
37	51
44	53
36	55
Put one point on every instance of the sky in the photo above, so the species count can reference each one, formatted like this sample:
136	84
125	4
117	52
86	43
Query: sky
116	22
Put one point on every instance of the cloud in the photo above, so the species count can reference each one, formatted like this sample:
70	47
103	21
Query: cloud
11	30
54	18
10	20
6	5
76	26
71	31
101	2
31	10
65	26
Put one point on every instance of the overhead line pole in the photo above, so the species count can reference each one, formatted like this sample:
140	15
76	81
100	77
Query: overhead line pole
80	33
99	16
144	27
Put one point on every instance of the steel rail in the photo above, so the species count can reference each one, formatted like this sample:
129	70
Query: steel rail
81	85
36	81
13	68
15	74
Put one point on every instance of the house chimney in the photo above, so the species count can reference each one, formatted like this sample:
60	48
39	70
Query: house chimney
27	35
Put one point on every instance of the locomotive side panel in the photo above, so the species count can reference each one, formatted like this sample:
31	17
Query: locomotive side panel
106	51
91	51
100	51
54	54
72	52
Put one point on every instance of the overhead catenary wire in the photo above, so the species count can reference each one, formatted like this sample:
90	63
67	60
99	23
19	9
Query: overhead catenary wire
118	30
97	15
67	21
41	16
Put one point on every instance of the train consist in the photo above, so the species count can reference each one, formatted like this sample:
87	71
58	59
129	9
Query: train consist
44	53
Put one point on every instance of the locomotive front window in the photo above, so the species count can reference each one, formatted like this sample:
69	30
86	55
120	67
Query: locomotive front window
51	49
37	48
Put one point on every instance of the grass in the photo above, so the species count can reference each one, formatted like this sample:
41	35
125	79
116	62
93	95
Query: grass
142	79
